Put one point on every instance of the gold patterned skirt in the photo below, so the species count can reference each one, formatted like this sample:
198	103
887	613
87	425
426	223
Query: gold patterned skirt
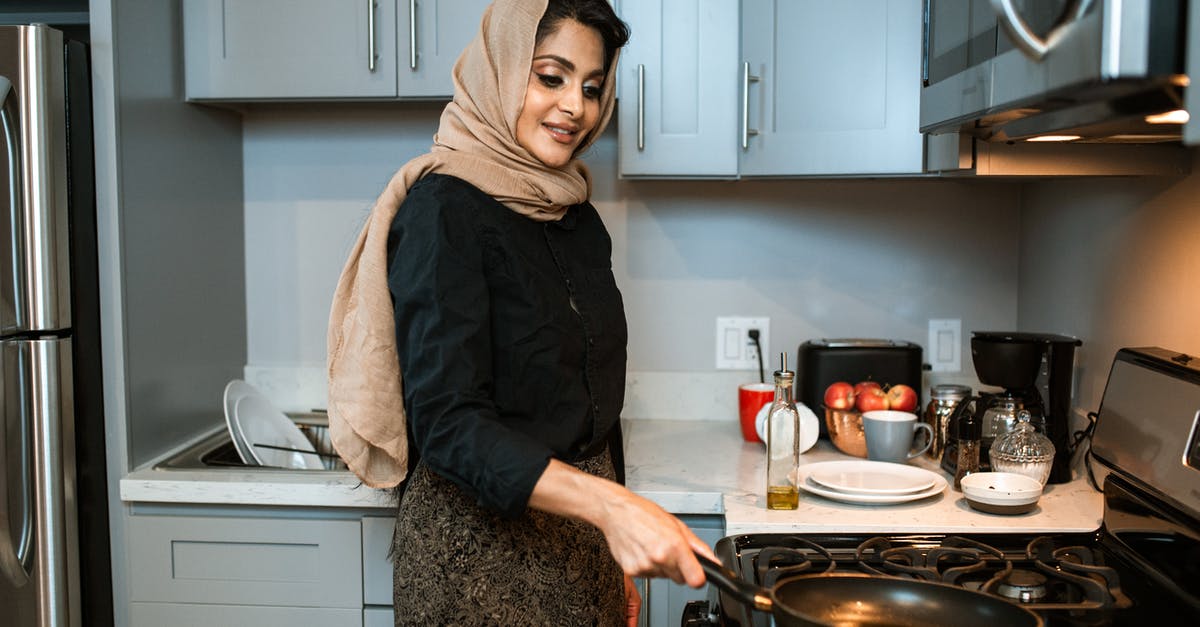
456	563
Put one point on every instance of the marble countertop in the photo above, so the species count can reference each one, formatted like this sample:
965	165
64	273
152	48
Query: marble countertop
687	467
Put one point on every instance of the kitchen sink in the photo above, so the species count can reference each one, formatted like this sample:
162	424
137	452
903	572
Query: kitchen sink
217	450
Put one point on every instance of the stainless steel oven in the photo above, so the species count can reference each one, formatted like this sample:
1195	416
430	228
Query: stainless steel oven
1075	70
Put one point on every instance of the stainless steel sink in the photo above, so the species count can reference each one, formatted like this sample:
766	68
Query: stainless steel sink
217	451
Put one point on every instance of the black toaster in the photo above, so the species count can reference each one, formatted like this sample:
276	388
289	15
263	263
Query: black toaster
825	361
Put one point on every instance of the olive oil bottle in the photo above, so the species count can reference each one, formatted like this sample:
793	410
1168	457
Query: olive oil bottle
783	442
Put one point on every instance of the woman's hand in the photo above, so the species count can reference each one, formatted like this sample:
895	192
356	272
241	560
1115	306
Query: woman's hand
645	540
633	603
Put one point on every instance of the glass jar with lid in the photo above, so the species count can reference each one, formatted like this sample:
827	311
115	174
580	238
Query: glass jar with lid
1023	451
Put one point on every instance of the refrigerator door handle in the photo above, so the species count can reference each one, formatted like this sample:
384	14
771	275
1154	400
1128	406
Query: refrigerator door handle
10	238
16	555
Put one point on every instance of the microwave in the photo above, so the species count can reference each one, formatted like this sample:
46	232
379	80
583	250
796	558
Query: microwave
1098	71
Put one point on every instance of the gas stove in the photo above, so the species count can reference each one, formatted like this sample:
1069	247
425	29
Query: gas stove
1142	565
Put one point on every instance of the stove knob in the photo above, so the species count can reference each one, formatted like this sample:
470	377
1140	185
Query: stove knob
696	614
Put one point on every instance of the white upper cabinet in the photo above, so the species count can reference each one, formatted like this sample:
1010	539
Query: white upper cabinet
431	35
678	105
771	88
328	49
838	90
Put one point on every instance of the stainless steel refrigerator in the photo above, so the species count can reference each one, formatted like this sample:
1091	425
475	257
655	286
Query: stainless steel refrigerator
54	546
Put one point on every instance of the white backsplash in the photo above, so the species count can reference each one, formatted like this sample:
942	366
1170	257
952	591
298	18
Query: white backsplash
652	395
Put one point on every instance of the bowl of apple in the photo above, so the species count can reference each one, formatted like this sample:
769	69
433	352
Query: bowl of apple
845	404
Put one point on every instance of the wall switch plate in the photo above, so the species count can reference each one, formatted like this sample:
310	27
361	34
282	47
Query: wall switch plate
735	349
945	345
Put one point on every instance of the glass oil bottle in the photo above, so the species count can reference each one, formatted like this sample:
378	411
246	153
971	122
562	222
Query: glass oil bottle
783	442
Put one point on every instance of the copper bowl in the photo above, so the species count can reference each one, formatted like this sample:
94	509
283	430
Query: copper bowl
846	431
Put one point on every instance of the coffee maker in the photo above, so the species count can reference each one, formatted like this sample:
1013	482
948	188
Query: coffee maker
1034	372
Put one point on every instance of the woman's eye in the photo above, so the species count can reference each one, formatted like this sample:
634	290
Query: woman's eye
591	92
550	80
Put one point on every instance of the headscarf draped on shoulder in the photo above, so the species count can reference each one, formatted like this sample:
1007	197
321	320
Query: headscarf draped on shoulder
476	142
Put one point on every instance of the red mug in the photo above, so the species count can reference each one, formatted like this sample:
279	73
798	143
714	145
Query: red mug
751	398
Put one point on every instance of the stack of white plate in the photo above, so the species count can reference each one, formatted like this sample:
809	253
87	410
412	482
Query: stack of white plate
263	435
868	482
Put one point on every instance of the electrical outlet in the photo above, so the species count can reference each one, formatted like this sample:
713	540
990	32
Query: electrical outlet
735	349
945	345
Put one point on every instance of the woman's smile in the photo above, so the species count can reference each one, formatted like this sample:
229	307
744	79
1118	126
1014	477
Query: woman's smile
562	99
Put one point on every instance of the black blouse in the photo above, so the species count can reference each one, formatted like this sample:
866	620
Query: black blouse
512	338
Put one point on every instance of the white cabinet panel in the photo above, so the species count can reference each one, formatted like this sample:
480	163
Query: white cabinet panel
377	570
677	89
431	34
839	87
198	615
770	88
271	49
251	561
379	617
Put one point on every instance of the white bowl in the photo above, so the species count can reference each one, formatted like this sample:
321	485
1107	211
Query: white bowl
1001	492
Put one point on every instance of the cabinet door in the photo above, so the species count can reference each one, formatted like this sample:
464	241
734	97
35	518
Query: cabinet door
663	600
838	87
269	49
246	561
430	36
678	89
204	615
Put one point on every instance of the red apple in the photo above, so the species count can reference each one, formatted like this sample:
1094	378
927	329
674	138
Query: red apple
902	398
870	400
839	395
862	387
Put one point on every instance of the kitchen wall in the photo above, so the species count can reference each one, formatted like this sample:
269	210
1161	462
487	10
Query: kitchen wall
831	258
1114	262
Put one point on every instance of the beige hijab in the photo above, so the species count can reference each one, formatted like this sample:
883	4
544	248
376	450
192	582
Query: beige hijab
475	141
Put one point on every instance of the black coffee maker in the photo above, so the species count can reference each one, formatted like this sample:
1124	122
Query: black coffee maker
1034	372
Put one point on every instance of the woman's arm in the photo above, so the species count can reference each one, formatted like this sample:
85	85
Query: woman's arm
644	538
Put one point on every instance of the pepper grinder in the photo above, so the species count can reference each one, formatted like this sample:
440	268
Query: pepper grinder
969	435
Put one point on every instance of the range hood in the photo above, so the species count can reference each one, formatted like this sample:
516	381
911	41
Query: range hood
1077	71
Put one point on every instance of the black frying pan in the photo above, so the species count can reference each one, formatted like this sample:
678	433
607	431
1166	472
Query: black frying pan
854	599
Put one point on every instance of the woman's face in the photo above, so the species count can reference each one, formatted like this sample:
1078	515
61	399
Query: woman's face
562	102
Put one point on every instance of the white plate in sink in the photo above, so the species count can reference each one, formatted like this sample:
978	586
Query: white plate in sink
270	437
234	391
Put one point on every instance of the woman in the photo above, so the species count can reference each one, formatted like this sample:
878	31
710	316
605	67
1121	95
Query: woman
488	268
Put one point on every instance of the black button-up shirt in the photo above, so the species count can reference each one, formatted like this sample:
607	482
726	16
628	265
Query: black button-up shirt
512	338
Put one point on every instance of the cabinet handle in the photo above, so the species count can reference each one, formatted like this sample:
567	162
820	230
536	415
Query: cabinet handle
747	78
412	34
641	133
371	56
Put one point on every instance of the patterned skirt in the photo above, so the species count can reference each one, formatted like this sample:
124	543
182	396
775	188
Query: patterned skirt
458	564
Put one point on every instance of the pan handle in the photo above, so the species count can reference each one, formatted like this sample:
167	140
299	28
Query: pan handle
728	581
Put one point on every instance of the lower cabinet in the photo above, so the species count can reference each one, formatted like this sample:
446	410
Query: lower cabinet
256	570
204	615
298	569
662	599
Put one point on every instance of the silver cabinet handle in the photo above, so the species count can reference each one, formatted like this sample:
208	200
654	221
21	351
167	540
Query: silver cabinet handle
1034	46
412	34
747	78
371	56
641	129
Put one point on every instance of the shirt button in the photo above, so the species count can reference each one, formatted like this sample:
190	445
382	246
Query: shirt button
591	341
